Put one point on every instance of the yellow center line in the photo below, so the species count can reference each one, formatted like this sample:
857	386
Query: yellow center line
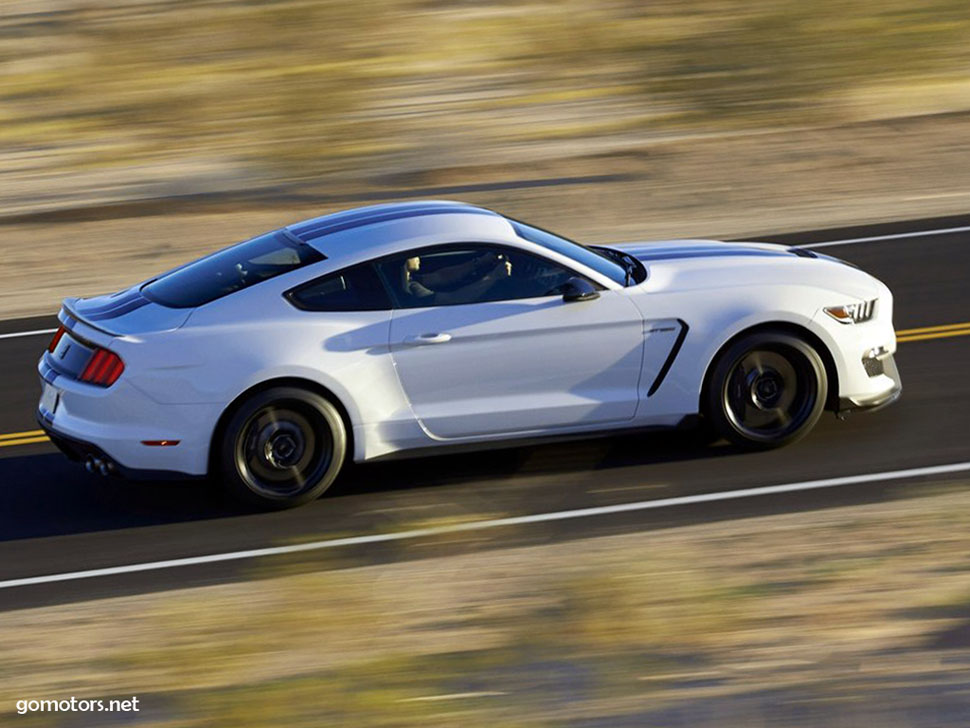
30	437
23	441
21	435
937	335
930	329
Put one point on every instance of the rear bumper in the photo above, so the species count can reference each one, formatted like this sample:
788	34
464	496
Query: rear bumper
117	420
80	451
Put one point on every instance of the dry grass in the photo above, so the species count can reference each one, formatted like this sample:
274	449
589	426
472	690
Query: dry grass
295	85
102	100
744	185
614	626
728	117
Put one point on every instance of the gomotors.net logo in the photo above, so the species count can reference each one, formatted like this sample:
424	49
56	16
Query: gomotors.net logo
75	705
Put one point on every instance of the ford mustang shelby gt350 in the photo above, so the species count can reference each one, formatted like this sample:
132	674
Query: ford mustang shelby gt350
403	327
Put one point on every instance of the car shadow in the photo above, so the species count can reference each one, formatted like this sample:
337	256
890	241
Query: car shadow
508	462
46	495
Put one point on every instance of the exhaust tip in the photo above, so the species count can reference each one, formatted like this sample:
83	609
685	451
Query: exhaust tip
101	466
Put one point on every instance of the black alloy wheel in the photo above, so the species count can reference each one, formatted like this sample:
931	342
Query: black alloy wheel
283	447
768	389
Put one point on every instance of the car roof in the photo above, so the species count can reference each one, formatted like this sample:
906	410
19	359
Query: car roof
368	233
318	227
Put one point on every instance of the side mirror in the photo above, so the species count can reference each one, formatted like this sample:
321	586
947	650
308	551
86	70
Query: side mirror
578	289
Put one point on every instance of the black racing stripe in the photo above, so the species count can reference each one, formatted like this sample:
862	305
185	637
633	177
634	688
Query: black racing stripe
344	216
326	227
362	213
47	372
669	362
329	229
120	311
303	228
75	318
115	301
707	253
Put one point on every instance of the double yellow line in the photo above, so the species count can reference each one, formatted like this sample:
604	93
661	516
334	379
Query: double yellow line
933	332
22	438
31	437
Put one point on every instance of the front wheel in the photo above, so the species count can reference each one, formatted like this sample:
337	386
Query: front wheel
282	447
767	389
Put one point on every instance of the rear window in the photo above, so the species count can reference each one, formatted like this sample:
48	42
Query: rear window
231	270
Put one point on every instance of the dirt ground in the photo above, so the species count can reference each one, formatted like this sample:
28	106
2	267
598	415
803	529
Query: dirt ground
842	617
745	184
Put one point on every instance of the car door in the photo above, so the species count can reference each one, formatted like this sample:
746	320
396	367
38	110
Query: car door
511	356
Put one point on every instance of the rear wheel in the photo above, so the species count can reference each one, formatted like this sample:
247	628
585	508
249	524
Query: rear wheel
282	448
767	389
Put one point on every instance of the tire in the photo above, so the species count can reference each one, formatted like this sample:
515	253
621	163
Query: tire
767	389
282	447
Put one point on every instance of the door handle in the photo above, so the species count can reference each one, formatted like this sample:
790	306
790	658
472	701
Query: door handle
429	339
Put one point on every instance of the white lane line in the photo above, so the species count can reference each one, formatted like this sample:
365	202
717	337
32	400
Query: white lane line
937	196
453	696
622	488
35	332
492	523
897	236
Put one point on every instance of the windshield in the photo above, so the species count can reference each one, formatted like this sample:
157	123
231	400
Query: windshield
230	270
580	253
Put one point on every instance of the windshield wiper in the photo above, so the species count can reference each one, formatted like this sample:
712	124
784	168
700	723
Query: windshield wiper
629	264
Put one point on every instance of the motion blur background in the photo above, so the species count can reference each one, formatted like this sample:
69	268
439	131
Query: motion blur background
138	134
612	120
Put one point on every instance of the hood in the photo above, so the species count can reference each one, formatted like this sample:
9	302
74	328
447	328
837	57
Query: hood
126	312
702	264
681	249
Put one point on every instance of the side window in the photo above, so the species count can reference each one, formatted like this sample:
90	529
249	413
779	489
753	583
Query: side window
355	289
462	274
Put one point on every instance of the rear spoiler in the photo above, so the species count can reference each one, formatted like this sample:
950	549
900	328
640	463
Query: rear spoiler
70	318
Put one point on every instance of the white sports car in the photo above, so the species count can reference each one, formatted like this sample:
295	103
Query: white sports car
420	326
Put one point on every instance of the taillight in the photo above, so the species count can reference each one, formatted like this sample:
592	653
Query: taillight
103	368
56	340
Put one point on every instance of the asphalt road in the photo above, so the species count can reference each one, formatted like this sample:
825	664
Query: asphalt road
55	518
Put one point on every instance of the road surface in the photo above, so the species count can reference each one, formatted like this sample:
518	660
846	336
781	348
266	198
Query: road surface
55	519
